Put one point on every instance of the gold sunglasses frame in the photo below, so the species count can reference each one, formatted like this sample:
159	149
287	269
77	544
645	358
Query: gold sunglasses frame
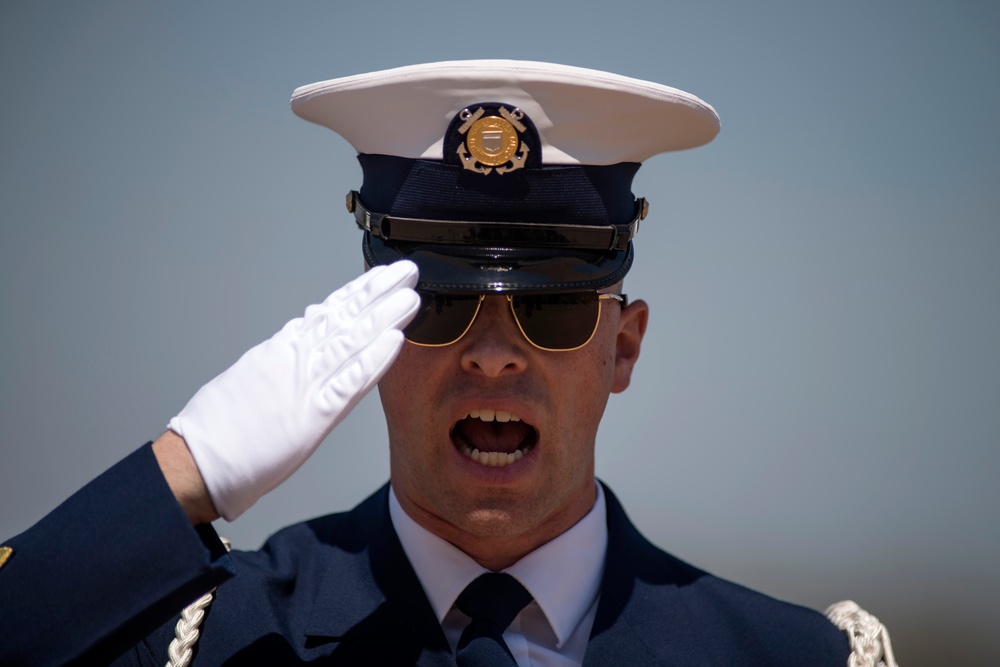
601	298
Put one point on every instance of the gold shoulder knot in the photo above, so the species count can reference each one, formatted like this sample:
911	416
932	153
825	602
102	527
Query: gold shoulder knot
5	553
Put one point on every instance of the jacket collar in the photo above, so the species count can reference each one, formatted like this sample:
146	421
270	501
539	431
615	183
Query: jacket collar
374	608
640	601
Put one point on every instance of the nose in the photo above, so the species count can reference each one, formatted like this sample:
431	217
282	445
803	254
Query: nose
494	346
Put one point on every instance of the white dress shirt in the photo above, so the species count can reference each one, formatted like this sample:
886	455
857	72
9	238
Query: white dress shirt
563	576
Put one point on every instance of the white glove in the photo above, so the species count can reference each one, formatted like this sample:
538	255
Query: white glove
257	422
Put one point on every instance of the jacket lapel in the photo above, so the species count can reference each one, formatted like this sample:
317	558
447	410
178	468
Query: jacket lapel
614	639
370	608
640	617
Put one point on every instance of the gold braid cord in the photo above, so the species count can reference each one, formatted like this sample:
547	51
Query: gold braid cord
186	633
870	645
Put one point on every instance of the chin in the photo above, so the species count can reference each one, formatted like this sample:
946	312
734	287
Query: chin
493	522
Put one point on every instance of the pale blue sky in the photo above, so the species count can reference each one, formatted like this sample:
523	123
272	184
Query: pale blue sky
817	409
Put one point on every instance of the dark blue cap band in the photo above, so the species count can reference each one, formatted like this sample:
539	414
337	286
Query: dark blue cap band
584	195
566	194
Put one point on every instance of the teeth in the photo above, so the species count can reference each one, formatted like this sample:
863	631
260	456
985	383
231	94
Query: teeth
488	415
493	459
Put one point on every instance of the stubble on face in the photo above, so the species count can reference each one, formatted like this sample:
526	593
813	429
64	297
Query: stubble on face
562	395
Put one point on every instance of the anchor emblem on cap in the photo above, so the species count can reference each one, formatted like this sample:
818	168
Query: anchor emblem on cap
492	142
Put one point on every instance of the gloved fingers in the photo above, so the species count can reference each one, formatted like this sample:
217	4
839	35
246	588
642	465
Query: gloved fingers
394	311
401	276
354	379
340	347
348	302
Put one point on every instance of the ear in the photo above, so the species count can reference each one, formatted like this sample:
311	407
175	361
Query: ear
631	328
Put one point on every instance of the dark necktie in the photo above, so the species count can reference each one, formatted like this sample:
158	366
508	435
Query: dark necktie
492	601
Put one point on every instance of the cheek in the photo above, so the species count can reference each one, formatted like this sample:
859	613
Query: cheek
601	355
600	371
400	421
406	390
393	389
405	373
601	375
587	379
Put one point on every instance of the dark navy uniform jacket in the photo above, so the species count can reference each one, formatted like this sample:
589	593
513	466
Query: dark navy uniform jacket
103	578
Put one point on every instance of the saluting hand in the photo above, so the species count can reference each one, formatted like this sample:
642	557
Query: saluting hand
256	423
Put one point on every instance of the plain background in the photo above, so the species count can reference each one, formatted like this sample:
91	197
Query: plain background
817	408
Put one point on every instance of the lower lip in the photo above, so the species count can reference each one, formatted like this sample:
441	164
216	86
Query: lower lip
499	474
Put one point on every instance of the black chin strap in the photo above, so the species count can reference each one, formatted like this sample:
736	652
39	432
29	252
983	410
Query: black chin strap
516	234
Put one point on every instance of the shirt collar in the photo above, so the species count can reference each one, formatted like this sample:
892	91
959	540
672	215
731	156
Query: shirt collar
563	575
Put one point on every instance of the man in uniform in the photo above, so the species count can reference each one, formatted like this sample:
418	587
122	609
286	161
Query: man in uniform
497	219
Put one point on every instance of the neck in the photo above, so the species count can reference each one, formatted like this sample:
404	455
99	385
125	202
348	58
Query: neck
490	538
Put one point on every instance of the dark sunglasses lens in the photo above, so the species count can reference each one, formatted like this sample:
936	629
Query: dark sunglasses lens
558	321
442	318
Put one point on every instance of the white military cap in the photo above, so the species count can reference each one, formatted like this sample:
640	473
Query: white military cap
503	175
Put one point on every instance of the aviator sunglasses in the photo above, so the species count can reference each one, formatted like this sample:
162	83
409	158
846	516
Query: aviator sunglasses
551	322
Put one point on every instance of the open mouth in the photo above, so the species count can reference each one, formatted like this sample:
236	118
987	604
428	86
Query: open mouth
494	438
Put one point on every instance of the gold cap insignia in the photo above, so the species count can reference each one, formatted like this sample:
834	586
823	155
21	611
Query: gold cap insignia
493	141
